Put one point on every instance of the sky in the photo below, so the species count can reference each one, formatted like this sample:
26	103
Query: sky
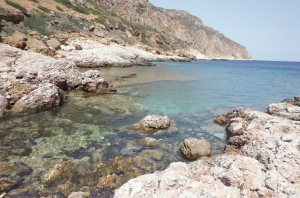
269	29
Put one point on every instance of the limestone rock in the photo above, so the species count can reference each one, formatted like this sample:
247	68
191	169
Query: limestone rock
54	43
92	28
194	148
149	159
93	83
286	110
150	142
153	122
18	40
59	174
35	45
62	38
76	195
46	96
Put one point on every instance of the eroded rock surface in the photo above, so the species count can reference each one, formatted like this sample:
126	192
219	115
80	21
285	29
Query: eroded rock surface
46	96
153	122
22	72
194	148
262	160
150	142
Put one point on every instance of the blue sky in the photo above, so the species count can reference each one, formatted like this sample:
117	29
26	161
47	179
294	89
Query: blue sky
269	29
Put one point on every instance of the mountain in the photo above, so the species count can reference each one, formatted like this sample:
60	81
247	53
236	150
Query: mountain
183	29
126	22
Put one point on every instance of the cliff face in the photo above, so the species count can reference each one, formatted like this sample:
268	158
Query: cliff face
181	28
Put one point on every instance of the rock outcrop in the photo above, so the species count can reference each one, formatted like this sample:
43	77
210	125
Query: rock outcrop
194	148
262	159
3	107
22	72
153	122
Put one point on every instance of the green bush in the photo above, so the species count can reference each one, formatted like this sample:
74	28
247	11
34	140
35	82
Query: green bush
100	20
164	47
2	9
8	31
77	8
38	23
59	8
35	1
145	41
44	9
121	27
16	5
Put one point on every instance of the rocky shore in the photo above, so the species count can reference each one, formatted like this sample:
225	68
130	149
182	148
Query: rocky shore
261	159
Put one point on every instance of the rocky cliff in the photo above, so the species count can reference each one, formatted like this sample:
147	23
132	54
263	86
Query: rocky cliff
180	28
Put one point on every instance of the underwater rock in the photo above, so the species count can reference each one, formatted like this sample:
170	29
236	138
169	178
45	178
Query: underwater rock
149	159
150	142
194	148
46	96
135	145
59	174
11	174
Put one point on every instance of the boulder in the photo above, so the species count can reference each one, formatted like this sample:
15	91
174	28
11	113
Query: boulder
35	45
59	174
46	96
76	195
153	122
194	148
150	142
99	33
54	43
77	47
62	38
18	40
93	83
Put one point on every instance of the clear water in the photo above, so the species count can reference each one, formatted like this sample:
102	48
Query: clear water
87	130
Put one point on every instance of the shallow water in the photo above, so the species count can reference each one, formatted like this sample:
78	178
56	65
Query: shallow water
87	130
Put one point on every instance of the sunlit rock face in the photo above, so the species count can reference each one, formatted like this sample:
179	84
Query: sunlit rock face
180	28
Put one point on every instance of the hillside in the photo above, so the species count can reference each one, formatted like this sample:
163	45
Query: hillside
131	23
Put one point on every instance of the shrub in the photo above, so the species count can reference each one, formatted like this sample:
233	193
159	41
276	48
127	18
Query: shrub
47	10
164	47
35	1
16	5
59	8
2	9
8	31
77	8
38	23
145	41
121	27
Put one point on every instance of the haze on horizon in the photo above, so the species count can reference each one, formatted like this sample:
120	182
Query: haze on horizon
270	30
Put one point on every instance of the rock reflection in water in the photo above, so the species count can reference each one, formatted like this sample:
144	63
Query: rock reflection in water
79	146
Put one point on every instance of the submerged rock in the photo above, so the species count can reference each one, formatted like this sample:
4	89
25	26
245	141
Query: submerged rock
194	148
150	142
149	159
45	97
152	123
59	174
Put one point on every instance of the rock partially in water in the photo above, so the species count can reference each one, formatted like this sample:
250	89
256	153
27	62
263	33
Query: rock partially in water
194	148
76	195
59	174
46	96
152	123
150	142
93	83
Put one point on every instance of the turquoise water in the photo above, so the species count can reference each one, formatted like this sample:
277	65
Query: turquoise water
89	129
